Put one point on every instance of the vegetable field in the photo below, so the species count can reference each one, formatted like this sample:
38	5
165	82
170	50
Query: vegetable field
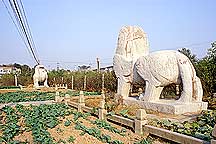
21	96
58	123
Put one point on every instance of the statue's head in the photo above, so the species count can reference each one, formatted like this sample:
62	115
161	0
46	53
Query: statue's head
40	68
132	42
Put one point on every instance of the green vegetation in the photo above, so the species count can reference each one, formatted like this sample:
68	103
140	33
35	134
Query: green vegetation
201	128
37	119
71	139
103	124
95	132
10	128
22	96
9	87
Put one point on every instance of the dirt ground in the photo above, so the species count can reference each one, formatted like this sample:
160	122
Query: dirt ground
61	133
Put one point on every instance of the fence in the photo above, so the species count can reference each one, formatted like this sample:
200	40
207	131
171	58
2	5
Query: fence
139	124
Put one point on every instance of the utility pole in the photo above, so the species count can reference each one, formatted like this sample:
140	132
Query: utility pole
57	66
98	65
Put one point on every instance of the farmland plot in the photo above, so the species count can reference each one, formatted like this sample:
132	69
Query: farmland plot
58	123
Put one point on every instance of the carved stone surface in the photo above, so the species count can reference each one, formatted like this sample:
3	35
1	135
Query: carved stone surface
132	62
168	106
40	76
214	132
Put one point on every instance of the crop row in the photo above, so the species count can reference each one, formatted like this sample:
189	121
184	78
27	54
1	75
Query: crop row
22	96
201	128
38	119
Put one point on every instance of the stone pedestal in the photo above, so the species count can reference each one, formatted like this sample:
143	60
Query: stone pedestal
168	106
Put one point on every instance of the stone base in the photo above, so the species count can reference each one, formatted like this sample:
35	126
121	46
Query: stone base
168	106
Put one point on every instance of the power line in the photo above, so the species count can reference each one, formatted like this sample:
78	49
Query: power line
31	37
17	8
19	31
22	26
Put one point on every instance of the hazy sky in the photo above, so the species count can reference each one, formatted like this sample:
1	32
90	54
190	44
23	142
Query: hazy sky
75	32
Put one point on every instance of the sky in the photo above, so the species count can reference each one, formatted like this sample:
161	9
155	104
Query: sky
76	32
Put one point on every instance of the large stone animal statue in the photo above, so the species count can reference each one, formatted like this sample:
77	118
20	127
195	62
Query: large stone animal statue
40	76
132	62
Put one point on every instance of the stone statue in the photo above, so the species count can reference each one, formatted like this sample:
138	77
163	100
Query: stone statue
132	62
40	76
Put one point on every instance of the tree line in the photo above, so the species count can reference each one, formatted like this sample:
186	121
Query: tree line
205	68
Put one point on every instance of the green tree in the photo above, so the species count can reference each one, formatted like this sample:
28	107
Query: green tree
207	67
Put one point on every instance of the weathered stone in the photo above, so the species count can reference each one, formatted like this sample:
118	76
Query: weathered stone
102	114
132	62
103	95
214	132
213	141
168	106
58	98
81	97
102	104
141	114
67	98
80	105
40	76
139	126
173	136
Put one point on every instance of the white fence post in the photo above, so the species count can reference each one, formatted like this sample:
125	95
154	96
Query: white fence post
102	112
84	87
67	98
140	121
15	79
72	82
102	81
81	101
57	97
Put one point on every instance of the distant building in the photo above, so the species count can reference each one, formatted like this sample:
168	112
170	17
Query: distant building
105	69
9	70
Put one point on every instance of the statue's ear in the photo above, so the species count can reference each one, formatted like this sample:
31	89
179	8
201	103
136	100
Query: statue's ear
122	66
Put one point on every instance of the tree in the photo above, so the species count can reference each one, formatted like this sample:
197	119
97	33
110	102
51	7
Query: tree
83	67
207	66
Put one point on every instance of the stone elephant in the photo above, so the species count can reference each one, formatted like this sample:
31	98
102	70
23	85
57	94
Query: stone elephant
40	76
132	62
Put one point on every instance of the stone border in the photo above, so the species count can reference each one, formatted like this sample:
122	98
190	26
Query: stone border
168	106
139	124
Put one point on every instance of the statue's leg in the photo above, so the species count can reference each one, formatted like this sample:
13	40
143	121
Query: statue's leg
152	93
186	77
123	88
36	85
198	91
45	83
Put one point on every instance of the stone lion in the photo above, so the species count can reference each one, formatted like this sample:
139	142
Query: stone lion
132	62
40	76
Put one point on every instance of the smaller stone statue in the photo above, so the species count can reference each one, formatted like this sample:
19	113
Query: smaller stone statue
40	76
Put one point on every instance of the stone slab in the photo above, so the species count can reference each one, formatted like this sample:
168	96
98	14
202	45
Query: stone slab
168	106
173	136
214	132
213	141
